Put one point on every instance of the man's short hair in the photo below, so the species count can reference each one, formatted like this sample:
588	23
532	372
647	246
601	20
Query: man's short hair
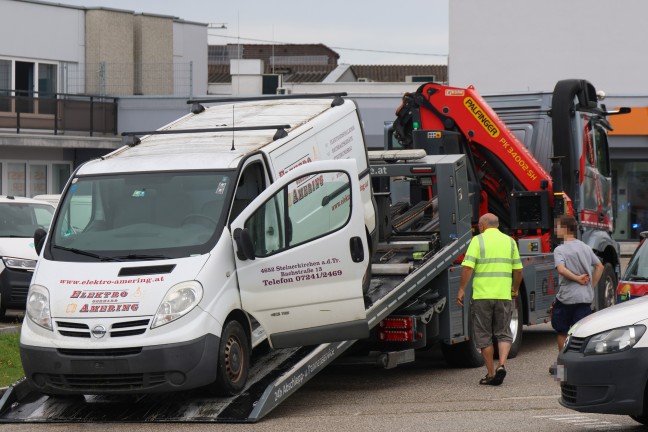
569	222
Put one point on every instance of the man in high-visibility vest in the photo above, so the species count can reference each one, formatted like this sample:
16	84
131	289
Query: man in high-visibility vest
494	259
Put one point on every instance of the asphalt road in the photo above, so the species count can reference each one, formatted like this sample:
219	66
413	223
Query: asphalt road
12	320
425	395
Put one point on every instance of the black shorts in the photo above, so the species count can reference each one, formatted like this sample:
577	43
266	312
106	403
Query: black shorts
564	316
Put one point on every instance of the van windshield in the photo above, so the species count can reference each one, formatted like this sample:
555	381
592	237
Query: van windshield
21	219
638	266
140	216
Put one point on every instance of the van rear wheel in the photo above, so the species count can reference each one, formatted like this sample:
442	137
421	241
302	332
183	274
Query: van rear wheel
233	360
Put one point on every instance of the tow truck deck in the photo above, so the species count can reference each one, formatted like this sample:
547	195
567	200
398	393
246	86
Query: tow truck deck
276	374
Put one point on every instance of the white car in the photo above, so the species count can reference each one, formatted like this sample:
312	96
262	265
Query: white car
603	364
50	198
19	218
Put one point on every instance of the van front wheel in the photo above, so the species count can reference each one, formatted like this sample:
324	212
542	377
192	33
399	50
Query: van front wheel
233	360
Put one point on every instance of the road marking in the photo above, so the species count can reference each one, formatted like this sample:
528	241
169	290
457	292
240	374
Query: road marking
528	397
581	420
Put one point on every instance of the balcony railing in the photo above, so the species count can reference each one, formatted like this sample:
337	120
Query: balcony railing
57	112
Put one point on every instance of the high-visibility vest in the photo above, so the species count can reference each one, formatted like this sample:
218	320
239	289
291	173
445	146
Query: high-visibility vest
493	255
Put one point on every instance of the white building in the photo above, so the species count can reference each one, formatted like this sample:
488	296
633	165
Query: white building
61	70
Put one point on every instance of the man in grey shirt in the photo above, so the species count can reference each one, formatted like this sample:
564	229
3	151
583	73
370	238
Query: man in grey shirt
580	270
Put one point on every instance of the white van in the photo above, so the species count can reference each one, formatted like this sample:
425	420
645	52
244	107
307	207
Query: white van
19	218
170	259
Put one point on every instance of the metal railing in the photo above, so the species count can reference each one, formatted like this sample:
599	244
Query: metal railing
57	112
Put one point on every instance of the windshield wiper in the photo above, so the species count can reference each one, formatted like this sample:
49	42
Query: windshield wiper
142	257
638	278
86	253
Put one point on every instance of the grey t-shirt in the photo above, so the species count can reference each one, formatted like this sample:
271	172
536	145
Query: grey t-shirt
578	258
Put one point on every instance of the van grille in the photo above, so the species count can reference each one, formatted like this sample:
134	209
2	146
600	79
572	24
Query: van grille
119	329
19	293
79	330
109	352
568	393
108	382
575	344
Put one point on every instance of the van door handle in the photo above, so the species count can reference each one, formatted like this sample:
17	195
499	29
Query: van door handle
357	250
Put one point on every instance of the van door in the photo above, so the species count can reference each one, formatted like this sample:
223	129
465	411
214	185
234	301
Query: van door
301	253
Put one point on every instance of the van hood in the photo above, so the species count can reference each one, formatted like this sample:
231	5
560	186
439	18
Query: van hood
112	289
22	247
620	315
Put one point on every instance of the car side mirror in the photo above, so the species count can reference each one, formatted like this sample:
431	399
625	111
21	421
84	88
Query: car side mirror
39	239
244	244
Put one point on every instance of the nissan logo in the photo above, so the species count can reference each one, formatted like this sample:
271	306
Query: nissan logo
98	331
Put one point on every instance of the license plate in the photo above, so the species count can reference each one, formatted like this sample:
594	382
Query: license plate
561	373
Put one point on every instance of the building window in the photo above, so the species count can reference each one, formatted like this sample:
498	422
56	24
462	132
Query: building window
33	178
631	198
46	88
60	176
5	85
16	179
37	180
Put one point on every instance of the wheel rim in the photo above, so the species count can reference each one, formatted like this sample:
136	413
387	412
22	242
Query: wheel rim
234	359
610	292
515	318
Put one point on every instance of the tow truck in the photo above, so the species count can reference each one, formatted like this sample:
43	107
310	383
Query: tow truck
448	158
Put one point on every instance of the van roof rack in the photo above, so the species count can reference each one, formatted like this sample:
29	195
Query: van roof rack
197	107
131	139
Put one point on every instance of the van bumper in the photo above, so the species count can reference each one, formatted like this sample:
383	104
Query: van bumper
14	285
606	383
153	369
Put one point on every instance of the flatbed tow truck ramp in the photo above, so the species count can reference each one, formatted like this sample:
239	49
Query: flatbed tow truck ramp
276	374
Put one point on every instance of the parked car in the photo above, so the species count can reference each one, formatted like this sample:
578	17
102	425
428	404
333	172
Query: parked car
634	282
19	218
50	198
604	365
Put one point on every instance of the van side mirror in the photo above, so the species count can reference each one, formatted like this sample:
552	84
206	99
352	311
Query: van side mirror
244	245
39	239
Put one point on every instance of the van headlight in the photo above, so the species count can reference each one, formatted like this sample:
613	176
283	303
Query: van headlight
19	263
180	299
615	340
38	306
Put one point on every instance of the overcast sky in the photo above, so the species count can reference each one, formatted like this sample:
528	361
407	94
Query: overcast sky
361	32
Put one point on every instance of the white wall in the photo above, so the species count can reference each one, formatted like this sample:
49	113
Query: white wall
513	45
190	44
39	31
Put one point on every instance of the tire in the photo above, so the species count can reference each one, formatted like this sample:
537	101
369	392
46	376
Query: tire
233	360
606	289
464	354
517	324
3	309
